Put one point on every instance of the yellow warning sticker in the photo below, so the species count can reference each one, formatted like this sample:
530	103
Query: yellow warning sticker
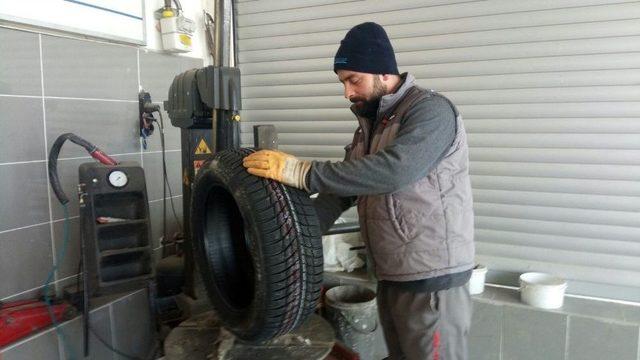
197	164
202	148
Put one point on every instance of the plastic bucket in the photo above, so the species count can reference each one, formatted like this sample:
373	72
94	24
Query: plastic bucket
352	311
542	290
476	283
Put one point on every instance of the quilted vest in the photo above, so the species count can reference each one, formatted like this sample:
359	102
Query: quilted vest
425	229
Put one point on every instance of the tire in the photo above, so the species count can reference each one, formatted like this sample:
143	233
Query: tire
258	246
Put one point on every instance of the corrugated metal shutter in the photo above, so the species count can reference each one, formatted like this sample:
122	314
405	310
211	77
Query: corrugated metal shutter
550	94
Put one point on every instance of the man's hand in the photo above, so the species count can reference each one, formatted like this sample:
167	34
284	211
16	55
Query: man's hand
278	166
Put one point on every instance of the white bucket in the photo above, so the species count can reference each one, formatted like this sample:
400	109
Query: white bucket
476	283
542	290
353	312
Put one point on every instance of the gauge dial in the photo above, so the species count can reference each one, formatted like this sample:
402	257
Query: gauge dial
118	178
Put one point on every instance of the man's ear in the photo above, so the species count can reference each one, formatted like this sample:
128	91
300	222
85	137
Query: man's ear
385	77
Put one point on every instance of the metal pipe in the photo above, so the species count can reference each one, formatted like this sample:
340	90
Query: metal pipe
222	21
343	228
234	33
215	127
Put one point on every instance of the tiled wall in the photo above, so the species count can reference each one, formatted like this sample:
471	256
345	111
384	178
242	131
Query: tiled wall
52	85
123	322
505	329
502	328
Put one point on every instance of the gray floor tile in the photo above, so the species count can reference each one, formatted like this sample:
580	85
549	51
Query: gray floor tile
486	329
87	69
27	295
73	283
23	199
131	325
602	309
45	345
41	346
37	291
591	339
100	323
19	63
112	126
26	259
22	128
69	265
153	173
530	334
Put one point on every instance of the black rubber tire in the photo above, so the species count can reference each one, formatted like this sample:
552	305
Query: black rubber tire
258	246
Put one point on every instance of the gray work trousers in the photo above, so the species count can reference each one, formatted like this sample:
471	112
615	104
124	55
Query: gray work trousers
425	325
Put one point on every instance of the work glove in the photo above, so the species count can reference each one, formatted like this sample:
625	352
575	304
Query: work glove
278	166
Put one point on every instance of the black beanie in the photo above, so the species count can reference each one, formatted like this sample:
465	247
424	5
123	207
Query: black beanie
366	48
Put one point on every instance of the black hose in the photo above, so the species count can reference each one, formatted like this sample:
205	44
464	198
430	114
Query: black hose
53	162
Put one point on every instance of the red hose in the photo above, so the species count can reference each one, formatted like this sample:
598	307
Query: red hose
102	157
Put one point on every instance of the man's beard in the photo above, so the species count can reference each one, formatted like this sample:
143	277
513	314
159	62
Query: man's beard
369	107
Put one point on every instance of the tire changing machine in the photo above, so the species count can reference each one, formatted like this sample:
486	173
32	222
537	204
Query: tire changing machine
204	104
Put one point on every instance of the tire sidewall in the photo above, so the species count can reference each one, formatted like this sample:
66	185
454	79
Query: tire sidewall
216	173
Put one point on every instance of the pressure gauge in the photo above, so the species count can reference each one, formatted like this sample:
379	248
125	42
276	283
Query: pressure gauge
118	178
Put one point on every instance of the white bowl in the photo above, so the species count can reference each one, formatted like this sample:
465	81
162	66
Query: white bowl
542	290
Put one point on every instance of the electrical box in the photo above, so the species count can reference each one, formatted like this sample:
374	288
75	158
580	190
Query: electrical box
177	32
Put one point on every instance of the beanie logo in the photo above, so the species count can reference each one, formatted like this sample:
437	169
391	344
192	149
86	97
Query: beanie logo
340	60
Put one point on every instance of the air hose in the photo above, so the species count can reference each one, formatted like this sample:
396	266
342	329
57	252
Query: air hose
93	150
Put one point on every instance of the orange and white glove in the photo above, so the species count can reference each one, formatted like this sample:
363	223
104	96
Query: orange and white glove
278	166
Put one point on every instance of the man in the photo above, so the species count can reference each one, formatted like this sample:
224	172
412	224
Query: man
408	168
